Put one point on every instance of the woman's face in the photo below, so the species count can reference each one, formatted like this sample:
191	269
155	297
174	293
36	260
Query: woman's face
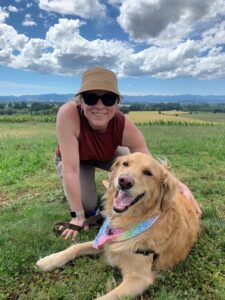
99	115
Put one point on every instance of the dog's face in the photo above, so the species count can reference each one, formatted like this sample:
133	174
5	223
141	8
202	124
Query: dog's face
138	181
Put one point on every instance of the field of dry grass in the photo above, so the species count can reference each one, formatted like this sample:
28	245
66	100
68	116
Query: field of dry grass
174	116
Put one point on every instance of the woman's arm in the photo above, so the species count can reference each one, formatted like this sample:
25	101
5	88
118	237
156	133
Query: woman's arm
185	191
133	138
68	127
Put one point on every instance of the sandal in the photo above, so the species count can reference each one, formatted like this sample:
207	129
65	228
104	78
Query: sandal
59	227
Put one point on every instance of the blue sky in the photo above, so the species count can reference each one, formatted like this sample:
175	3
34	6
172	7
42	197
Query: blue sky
156	47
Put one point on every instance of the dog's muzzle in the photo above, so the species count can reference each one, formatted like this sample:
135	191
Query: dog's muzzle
123	201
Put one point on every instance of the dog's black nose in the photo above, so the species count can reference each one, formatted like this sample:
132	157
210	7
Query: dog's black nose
125	181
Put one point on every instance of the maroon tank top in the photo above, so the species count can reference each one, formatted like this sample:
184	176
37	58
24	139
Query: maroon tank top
94	145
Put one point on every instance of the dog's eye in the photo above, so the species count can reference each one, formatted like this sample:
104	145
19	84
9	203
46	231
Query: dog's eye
147	172
125	164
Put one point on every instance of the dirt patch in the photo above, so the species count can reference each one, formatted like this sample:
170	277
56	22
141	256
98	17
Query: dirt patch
9	198
21	192
3	197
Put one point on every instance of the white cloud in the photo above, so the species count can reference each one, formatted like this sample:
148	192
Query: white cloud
10	41
56	34
32	57
186	42
184	60
89	9
5	56
69	53
28	21
3	15
12	8
10	38
167	22
214	36
28	5
159	62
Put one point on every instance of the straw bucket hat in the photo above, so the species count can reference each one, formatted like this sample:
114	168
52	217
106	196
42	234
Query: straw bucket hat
99	79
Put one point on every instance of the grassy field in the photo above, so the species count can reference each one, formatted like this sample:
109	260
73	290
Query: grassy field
209	117
176	117
31	201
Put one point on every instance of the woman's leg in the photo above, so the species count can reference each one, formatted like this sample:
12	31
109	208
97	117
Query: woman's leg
87	183
88	186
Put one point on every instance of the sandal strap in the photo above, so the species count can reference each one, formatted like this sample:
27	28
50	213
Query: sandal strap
59	227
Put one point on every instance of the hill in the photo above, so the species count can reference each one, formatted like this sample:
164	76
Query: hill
186	99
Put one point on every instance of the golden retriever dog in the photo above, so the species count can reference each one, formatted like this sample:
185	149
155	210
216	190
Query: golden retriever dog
149	225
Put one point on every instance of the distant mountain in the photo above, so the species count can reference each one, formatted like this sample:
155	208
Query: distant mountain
41	98
186	99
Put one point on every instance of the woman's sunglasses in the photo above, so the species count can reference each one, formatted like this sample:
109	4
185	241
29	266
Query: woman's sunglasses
92	99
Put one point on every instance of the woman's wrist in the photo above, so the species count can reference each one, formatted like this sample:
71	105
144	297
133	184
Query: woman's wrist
77	214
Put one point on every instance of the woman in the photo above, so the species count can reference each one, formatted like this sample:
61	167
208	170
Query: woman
92	133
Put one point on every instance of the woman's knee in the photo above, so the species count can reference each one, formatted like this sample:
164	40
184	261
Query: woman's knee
121	151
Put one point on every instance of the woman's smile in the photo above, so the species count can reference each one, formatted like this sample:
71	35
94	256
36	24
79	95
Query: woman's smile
99	115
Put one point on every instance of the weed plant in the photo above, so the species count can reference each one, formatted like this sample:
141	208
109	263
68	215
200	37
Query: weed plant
32	200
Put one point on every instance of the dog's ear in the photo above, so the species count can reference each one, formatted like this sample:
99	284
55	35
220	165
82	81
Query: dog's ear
167	189
112	172
105	183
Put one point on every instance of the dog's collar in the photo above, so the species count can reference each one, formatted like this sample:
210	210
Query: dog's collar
107	234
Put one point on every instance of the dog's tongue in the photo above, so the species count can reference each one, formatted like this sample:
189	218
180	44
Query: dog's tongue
122	200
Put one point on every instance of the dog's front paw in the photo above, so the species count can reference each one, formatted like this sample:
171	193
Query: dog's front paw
50	263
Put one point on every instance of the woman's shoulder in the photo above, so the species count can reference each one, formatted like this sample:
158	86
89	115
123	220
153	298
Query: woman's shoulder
133	138
68	116
68	110
119	116
68	107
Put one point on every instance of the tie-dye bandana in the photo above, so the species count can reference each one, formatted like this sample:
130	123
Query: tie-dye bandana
107	234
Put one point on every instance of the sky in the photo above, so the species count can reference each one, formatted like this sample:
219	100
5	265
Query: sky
156	47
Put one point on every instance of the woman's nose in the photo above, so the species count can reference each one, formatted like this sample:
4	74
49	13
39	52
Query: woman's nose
99	103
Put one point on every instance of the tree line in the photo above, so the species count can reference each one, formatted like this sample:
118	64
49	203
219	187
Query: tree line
50	108
31	108
213	108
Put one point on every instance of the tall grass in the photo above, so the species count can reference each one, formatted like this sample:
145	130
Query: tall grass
32	201
151	117
27	118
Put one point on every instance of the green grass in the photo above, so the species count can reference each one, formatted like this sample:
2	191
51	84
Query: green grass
31	201
27	118
209	117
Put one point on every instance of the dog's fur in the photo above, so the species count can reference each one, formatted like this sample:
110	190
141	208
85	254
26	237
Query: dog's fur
170	238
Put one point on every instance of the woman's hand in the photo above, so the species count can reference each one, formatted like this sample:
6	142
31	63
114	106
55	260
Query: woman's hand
67	233
184	190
